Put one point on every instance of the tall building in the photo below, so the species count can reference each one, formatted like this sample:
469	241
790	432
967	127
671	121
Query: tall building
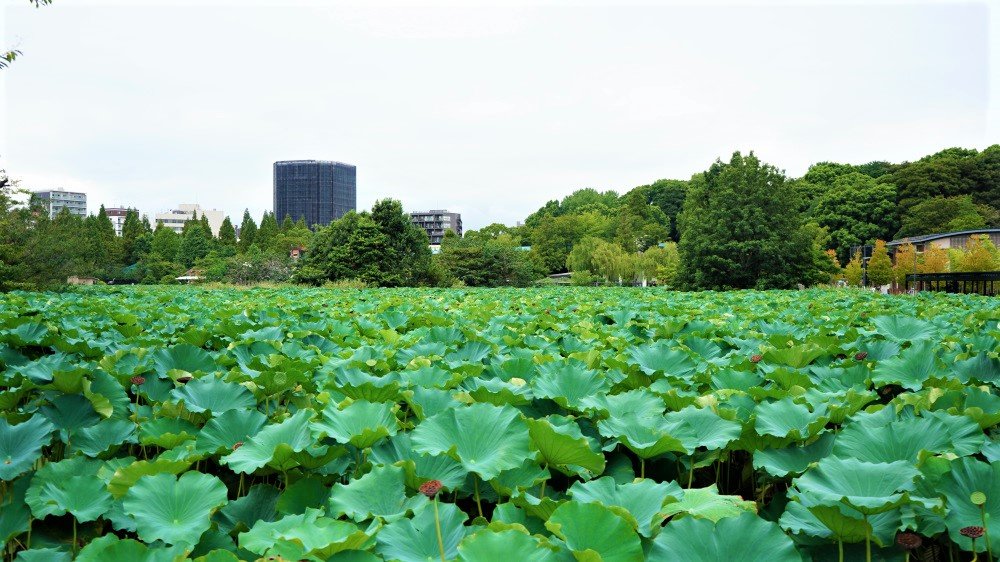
55	200
117	216
435	222
175	218
319	191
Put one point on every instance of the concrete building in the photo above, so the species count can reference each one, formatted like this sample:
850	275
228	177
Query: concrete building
436	222
319	191
55	200
175	218
117	216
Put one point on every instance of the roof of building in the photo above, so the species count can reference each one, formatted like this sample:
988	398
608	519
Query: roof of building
931	237
286	162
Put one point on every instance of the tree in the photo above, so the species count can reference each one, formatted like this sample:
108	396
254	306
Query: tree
639	224
408	259
879	266
854	271
287	223
267	234
227	237
248	232
166	243
740	228
935	260
486	262
351	247
668	196
132	233
856	209
944	214
581	258
194	243
906	263
980	254
10	55
103	246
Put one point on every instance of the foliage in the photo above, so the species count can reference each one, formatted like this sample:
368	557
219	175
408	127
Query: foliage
946	214
740	229
979	254
856	209
879	266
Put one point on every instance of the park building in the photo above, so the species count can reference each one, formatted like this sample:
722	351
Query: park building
174	219
55	200
317	191
436	222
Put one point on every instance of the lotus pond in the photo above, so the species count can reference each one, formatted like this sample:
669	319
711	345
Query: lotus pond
166	424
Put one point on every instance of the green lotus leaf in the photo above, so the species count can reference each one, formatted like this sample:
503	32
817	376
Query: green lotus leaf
707	503
272	445
562	445
568	383
527	475
639	502
701	427
661	357
218	555
575	523
305	493
21	444
295	537
904	440
497	392
745	538
484	438
866	487
43	555
167	432
418	468
124	477
796	357
840	523
414	540
68	486
211	394
646	437
787	418
794	459
259	504
638	403
910	369
967	476
109	434
183	357
380	493
224	431
174	510
360	423
980	367
110	547
904	329
106	395
488	545
14	513
428	402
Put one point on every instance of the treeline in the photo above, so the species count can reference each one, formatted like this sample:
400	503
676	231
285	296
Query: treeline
744	223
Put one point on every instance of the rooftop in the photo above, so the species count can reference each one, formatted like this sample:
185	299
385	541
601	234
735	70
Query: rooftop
931	237
314	162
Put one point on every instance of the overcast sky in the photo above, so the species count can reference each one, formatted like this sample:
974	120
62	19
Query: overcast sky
485	110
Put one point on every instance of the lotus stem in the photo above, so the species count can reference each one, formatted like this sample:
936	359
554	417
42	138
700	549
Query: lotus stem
691	474
642	468
986	533
74	535
975	555
437	527
475	483
542	493
868	540
840	550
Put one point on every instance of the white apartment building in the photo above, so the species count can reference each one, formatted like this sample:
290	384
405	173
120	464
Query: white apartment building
175	218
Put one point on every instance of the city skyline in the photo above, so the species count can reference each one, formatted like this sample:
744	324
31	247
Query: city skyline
455	106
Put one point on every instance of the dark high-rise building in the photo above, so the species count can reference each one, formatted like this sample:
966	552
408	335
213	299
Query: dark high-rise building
319	191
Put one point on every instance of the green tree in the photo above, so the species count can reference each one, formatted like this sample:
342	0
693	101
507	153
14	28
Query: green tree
194	244
166	243
979	254
408	259
856	209
879	266
227	237
351	247
740	228
287	223
104	247
248	232
132	238
267	234
944	214
668	196
581	257
640	224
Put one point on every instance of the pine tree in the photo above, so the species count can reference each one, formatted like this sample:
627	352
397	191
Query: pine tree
166	243
194	244
227	234
287	223
879	266
248	232
267	233
105	247
206	226
131	232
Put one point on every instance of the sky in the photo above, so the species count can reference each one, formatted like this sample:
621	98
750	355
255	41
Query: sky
481	108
